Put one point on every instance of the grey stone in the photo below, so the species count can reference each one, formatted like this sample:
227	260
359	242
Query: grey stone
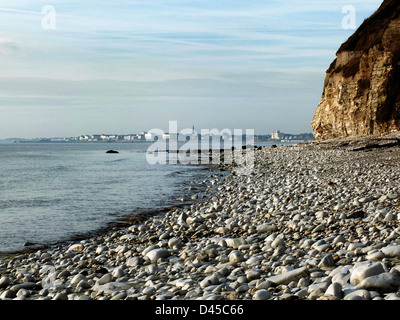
253	274
110	287
391	251
210	280
175	243
78	247
242	288
364	270
321	286
287	277
384	282
23	293
156	254
148	291
60	296
119	296
326	262
267	228
235	243
360	294
8	294
84	284
134	261
279	241
236	256
77	278
4	281
262	294
392	296
265	284
303	293
118	272
105	279
335	289
25	285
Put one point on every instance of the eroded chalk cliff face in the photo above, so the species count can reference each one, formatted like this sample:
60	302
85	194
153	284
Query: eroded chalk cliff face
361	93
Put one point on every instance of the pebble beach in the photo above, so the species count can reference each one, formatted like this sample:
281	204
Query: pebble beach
314	221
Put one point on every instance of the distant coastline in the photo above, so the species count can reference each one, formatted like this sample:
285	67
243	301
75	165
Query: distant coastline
144	137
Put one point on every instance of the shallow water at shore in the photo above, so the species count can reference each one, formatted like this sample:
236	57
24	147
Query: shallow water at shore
52	192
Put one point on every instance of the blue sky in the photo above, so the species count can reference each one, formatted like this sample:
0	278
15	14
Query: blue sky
130	66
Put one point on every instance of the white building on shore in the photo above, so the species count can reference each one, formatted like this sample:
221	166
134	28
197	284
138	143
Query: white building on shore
277	135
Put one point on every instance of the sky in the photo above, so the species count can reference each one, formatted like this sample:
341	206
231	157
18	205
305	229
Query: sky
72	67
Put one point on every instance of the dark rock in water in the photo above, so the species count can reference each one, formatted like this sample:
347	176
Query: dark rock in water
250	147
361	94
28	244
112	151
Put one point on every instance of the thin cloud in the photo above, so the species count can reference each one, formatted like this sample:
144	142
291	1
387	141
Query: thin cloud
8	47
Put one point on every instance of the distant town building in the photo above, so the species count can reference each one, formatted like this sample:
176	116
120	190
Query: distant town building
149	136
277	135
287	137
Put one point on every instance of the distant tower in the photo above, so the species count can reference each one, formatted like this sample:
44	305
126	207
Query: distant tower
193	129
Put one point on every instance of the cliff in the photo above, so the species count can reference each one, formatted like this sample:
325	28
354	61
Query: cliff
361	94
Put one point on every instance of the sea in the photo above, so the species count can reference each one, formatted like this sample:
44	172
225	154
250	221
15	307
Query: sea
54	192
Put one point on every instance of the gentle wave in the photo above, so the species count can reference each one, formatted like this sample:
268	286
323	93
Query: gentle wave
50	192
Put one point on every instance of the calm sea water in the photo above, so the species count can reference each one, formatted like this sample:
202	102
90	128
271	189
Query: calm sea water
51	192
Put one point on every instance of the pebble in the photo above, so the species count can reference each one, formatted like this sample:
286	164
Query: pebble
8	294
77	278
76	247
135	261
360	294
326	262
289	276
236	256
156	254
105	279
262	295
335	290
266	228
4	281
363	270
383	283
392	251
60	296
309	222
